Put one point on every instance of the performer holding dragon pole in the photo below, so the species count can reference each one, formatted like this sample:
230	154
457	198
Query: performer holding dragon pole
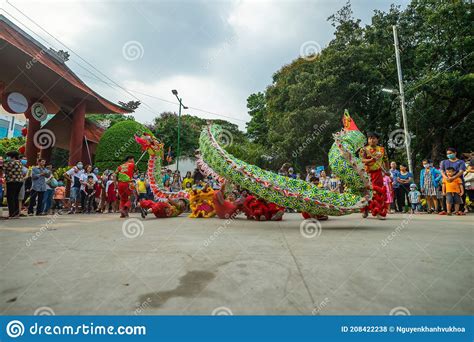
125	184
376	162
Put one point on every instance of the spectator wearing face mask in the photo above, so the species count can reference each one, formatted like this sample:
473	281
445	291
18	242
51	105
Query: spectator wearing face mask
74	175
459	167
429	183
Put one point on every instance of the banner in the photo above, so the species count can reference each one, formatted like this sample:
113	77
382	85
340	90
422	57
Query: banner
236	328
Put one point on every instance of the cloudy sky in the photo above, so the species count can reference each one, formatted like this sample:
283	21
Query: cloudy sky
215	53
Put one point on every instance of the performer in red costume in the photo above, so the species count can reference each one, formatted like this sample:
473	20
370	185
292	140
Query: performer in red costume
376	162
162	209
125	185
224	207
260	210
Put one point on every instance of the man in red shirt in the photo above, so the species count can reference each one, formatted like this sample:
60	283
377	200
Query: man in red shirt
125	186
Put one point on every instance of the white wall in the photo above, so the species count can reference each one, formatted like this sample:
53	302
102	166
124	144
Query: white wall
13	119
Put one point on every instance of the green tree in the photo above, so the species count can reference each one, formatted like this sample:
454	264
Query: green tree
257	127
165	128
108	120
436	49
118	142
10	144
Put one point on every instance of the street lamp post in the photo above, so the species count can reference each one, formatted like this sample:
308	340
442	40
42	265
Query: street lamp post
175	93
402	97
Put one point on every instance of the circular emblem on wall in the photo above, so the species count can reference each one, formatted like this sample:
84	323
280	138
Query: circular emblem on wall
39	111
15	103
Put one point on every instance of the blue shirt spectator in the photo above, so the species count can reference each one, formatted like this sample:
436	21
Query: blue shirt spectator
435	176
38	178
394	173
457	165
405	177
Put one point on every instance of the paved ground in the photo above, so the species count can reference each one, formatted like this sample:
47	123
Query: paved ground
98	264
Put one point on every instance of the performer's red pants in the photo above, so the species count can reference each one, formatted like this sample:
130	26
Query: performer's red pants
377	205
124	193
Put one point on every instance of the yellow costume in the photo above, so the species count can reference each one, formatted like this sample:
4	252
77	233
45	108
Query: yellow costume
201	203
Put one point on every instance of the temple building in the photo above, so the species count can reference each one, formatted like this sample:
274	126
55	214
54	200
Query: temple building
36	82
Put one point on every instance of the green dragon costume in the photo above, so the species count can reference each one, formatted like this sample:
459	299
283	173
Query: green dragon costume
294	193
283	191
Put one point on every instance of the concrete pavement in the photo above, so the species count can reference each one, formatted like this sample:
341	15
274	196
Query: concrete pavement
99	264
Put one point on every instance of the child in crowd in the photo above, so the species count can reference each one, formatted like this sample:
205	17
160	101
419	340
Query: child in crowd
469	182
98	194
453	190
167	185
334	183
188	179
59	195
387	183
89	193
141	187
415	198
188	187
111	191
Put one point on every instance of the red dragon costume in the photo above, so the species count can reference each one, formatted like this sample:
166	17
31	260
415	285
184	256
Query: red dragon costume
125	185
161	209
260	210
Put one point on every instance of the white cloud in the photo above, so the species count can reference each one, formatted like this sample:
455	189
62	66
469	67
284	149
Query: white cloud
198	92
215	53
71	21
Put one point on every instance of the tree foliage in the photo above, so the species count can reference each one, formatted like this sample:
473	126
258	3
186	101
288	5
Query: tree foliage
108	120
117	143
436	54
10	144
165	128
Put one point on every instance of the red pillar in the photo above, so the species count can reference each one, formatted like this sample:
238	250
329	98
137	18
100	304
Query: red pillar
85	154
77	133
31	149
